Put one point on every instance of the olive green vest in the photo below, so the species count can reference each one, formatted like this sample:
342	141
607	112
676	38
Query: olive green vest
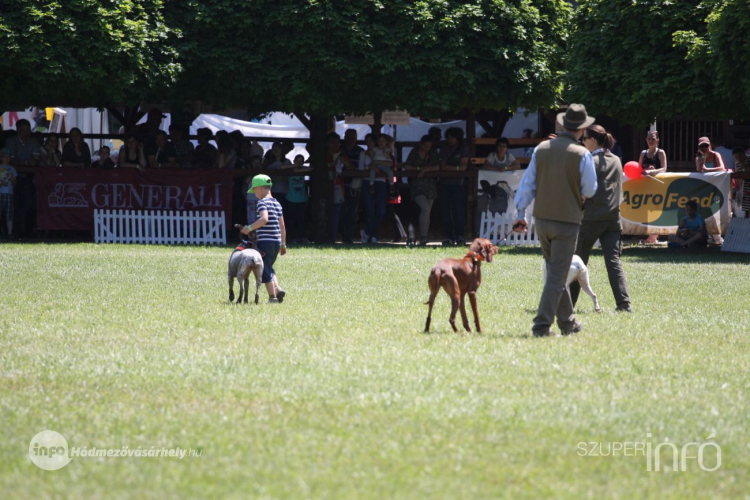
605	204
558	180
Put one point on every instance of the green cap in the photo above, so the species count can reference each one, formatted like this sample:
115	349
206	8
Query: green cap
260	180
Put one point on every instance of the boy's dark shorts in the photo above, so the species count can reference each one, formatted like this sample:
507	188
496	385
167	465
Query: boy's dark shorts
269	250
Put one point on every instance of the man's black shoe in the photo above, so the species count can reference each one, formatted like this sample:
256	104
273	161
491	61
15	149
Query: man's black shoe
548	333
577	327
624	308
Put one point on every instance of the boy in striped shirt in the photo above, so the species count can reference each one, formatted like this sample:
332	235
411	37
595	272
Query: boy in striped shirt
271	234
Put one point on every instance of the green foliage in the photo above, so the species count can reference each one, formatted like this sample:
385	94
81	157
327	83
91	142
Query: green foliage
84	52
330	57
729	42
628	60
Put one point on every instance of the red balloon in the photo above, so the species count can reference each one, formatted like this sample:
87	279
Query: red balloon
632	170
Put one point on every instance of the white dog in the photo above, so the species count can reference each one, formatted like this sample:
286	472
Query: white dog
578	272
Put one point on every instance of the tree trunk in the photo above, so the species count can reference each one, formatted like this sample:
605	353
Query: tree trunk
322	192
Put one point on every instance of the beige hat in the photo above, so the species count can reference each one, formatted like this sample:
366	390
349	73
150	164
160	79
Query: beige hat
704	140
575	118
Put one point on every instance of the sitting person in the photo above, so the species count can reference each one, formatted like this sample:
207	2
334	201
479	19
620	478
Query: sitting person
104	160
692	230
50	153
163	154
182	148
76	152
706	159
383	159
500	159
132	155
205	153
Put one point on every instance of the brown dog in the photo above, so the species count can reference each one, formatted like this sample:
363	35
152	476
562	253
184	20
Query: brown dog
459	277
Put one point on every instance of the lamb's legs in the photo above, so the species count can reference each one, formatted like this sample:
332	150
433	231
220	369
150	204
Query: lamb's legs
258	271
242	289
247	286
231	288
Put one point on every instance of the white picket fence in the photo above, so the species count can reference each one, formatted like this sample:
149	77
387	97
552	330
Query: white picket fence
159	227
497	229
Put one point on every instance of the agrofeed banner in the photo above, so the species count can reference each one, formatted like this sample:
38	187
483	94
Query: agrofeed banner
651	207
67	196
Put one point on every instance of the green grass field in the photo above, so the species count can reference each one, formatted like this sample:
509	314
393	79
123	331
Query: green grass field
337	393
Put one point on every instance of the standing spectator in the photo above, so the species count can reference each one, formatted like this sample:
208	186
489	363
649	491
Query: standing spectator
25	151
76	152
256	164
244	155
653	161
501	160
423	189
384	161
601	216
132	155
560	175
205	152
104	160
742	192
352	185
725	152
335	166
50	153
436	137
274	159
296	201
164	155
616	149
7	183
183	149
374	196
706	159
146	132
227	155
454	157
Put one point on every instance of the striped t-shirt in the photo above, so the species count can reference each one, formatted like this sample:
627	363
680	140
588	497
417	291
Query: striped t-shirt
272	230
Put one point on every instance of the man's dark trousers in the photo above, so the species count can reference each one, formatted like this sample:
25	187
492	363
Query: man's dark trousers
558	240
609	234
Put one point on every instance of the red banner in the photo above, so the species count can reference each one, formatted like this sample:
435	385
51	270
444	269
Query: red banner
67	196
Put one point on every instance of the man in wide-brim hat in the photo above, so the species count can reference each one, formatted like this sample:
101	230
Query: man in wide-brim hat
560	176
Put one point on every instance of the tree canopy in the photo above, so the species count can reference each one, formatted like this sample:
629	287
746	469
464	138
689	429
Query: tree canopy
318	56
84	52
721	53
624	62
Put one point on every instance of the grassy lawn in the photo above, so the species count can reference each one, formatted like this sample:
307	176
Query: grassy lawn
337	393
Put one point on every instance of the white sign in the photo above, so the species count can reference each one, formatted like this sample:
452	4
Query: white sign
387	118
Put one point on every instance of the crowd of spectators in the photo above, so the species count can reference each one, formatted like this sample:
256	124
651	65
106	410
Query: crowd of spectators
361	204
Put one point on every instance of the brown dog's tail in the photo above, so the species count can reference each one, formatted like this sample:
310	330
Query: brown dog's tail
434	283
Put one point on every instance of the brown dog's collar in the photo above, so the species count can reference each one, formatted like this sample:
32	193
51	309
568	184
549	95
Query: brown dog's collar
474	256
